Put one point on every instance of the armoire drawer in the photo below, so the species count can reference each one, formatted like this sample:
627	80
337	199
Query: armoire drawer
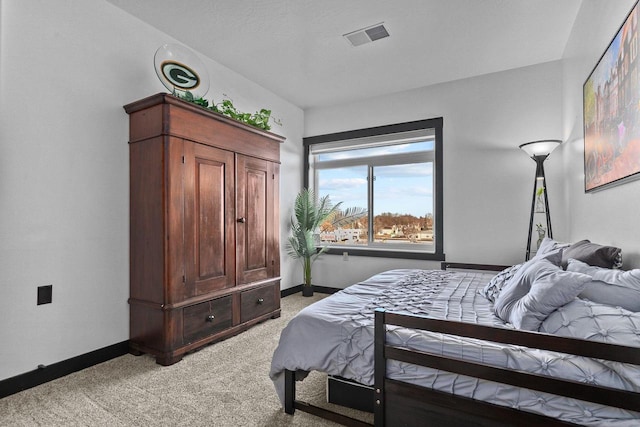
207	318
259	301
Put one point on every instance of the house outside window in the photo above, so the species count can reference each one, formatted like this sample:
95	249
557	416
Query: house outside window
393	172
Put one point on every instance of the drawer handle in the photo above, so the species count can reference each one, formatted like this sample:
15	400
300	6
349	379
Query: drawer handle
260	300
210	318
242	220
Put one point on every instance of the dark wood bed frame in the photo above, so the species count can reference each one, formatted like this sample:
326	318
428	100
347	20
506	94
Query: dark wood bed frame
398	403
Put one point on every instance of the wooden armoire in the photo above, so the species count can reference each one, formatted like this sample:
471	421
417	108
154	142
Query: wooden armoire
204	231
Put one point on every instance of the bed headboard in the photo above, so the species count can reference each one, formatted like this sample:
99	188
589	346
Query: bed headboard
446	265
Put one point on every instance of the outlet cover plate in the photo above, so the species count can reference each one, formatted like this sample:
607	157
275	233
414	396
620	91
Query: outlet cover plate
45	294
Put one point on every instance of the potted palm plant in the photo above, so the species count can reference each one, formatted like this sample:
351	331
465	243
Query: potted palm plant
309	213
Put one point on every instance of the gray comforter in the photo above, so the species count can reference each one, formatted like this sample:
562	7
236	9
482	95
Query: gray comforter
335	336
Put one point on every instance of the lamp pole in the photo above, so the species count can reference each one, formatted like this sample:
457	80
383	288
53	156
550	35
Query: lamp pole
539	159
539	151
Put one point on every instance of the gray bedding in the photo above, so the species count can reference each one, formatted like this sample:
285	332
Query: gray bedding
335	336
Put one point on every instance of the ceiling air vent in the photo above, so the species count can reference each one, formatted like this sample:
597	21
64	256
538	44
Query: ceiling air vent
367	35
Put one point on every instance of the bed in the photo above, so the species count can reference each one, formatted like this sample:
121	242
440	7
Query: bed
429	346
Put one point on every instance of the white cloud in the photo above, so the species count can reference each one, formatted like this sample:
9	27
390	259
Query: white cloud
341	183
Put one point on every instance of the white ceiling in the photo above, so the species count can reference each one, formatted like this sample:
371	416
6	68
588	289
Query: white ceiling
295	48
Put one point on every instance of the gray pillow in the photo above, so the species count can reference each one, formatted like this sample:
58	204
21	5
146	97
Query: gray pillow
549	249
627	279
492	289
613	295
612	287
549	246
535	291
592	254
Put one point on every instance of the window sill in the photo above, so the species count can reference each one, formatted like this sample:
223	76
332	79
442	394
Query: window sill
385	253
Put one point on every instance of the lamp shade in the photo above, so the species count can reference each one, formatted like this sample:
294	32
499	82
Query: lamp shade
540	148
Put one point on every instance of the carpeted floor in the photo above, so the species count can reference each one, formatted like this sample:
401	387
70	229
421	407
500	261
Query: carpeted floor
224	384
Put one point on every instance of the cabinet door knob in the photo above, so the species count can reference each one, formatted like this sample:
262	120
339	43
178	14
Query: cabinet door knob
242	220
210	318
260	300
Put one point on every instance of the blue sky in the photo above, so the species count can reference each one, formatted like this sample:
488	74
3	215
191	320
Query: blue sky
401	189
603	70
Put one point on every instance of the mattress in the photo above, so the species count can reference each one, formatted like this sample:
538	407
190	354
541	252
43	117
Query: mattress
336	335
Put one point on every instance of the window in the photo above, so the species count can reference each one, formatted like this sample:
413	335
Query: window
392	172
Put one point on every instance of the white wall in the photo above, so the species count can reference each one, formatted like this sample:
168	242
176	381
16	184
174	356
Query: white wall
488	180
609	216
66	69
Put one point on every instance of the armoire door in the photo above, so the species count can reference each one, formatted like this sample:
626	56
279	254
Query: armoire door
209	213
255	216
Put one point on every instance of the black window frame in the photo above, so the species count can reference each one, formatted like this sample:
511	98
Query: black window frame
434	123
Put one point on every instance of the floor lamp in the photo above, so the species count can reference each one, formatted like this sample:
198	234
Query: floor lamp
539	151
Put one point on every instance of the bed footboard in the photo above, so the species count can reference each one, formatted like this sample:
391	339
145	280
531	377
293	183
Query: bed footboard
402	404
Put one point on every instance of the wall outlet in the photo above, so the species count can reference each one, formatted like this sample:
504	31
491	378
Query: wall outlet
45	294
345	256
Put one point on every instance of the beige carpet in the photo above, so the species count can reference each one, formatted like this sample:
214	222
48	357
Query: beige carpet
224	384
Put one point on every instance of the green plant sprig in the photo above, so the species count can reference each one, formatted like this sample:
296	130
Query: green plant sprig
259	119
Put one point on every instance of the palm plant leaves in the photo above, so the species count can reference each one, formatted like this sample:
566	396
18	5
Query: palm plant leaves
301	244
309	213
348	216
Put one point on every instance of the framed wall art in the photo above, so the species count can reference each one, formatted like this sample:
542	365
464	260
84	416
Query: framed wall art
611	108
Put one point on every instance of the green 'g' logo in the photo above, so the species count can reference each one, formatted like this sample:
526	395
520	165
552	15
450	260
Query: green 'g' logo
180	75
